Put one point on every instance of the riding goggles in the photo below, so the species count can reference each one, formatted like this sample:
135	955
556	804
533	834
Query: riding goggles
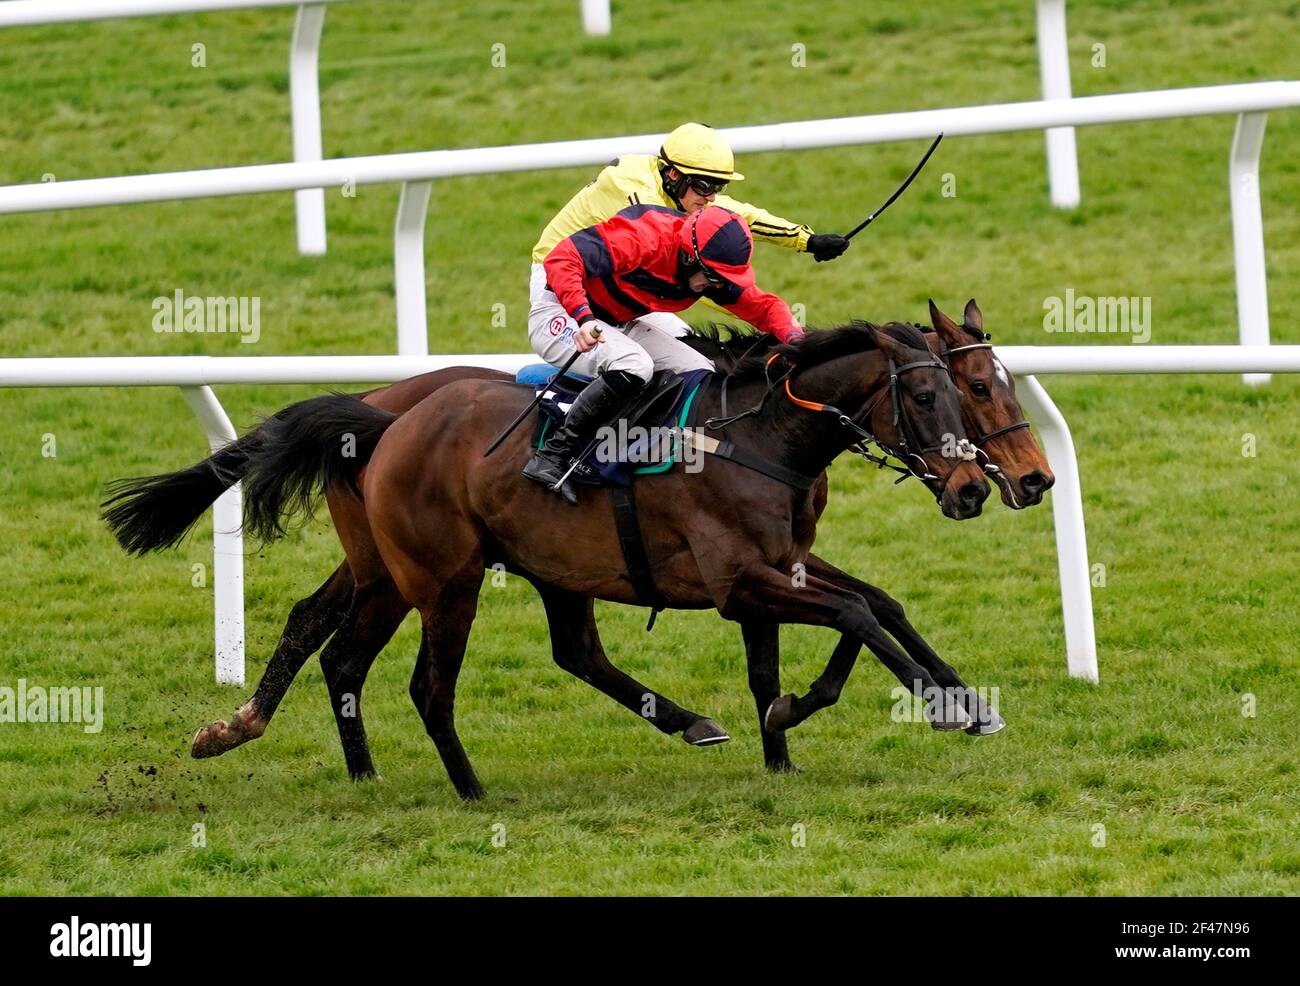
704	186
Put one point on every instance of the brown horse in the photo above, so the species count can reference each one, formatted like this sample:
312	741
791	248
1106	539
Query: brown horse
990	411
728	537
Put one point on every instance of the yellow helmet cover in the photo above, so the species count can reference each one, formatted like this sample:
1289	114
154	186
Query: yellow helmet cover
696	149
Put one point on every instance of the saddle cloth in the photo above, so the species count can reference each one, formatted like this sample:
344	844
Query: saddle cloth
643	439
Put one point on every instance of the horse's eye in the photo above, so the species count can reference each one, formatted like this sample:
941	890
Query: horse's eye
925	398
979	388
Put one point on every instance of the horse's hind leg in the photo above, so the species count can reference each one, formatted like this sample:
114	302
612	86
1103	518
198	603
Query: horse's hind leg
575	647
310	623
377	611
447	621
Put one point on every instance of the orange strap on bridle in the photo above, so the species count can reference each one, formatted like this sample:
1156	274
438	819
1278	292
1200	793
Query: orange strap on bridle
799	401
810	405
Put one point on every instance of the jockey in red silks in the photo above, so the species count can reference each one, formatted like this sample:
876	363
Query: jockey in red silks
603	279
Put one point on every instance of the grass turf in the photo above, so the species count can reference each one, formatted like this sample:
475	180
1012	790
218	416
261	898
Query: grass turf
1197	540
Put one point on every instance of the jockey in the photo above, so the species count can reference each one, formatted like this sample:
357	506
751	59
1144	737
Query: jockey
690	171
604	285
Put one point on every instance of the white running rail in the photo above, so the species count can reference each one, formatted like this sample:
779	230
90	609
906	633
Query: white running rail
1054	67
595	17
1249	101
196	375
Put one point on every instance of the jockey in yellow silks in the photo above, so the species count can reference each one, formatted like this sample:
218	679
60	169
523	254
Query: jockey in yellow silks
690	171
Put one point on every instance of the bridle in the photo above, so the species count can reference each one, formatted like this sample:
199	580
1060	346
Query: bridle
945	354
910	452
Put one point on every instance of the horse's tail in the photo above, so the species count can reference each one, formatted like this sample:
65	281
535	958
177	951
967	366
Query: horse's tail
309	447
284	463
149	513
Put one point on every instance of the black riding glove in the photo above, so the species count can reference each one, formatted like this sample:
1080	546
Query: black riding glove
826	246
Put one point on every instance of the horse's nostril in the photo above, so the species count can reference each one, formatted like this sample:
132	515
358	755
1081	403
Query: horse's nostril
973	492
1035	483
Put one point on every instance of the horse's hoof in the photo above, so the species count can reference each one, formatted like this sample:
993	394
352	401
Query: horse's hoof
783	767
211	740
948	715
779	714
988	723
705	732
217	737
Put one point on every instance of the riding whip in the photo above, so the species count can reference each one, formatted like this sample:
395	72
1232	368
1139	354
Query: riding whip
535	401
901	189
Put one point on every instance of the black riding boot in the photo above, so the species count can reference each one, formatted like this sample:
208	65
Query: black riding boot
597	405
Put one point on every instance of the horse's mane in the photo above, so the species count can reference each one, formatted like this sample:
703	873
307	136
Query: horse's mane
742	354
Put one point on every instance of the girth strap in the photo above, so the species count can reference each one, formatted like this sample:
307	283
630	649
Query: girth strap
750	460
633	545
773	470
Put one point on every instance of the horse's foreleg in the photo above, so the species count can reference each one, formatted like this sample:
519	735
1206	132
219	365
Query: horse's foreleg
889	611
576	647
310	623
763	657
790	710
766	592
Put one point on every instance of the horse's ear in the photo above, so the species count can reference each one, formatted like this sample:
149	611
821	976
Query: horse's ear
974	317
945	326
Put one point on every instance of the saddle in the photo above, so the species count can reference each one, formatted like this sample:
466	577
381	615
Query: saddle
660	411
643	439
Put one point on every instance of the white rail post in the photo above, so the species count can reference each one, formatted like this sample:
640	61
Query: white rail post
227	545
1071	538
408	269
304	108
595	16
1054	66
1248	236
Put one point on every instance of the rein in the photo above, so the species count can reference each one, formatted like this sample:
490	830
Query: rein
717	424
908	438
911	451
914	463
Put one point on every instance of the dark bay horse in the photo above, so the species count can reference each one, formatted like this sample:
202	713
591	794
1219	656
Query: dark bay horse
335	589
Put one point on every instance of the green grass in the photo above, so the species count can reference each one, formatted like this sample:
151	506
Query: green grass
1199	606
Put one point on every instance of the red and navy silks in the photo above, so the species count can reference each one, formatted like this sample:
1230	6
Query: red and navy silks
627	266
721	240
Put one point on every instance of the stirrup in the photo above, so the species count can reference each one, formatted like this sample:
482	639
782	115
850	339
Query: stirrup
553	473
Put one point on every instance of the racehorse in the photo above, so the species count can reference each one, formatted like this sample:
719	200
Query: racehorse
991	412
